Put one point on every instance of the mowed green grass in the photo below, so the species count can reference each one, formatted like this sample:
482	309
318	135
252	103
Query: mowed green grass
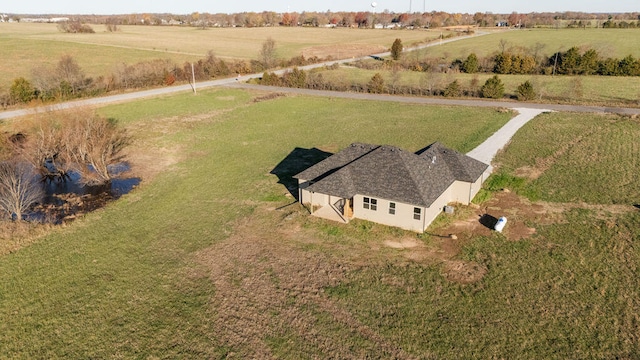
593	160
26	46
570	291
591	90
123	281
616	43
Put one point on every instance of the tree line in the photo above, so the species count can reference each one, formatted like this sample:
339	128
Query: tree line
432	84
571	62
66	80
414	19
521	60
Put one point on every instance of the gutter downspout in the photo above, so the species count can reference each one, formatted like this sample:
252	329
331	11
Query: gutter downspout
424	219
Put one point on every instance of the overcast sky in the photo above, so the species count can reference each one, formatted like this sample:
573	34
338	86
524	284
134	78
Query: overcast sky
233	6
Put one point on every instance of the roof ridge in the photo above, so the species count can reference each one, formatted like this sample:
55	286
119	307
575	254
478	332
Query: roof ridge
413	173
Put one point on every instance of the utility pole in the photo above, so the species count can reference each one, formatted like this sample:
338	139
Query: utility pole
193	77
409	6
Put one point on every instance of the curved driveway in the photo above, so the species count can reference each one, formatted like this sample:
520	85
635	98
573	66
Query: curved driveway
484	152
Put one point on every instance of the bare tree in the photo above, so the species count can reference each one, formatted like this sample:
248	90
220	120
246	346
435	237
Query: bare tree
111	24
268	53
75	140
44	147
19	188
93	143
69	74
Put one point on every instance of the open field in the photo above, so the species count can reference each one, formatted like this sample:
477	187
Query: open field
590	90
198	263
26	46
608	42
128	281
594	160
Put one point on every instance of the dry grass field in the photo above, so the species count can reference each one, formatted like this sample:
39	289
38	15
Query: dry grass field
26	46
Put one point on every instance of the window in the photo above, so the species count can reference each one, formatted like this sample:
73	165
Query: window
392	208
369	203
416	213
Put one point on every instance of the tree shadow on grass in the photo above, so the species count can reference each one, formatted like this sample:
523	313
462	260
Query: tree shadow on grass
297	161
488	221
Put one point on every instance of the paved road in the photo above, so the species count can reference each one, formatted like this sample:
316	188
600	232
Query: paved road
484	152
201	85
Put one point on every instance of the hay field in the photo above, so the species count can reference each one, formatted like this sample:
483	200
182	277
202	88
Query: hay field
26	46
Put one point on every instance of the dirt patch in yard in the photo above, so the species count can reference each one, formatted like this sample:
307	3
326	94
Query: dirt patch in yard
518	211
270	285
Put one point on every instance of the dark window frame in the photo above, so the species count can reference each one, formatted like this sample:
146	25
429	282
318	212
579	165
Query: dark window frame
417	213
370	203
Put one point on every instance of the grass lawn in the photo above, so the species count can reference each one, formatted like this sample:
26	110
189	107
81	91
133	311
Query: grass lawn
133	280
568	291
198	263
588	90
593	160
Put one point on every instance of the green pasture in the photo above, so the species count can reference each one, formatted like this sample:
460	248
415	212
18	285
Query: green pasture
592	90
571	291
124	282
592	160
616	43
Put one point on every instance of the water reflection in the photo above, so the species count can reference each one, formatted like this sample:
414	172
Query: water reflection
64	199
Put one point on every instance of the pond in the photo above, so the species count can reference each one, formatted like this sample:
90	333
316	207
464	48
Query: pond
65	199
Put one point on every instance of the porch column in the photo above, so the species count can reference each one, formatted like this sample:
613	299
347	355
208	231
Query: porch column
348	212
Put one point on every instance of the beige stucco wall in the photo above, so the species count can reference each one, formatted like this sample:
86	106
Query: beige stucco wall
403	217
459	191
310	199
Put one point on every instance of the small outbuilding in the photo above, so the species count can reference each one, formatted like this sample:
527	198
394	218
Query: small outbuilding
390	186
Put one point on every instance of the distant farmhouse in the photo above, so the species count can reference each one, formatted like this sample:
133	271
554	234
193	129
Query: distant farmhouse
390	186
44	20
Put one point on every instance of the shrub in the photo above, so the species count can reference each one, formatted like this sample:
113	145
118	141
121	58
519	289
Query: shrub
470	65
295	78
376	84
270	79
493	88
75	27
525	91
22	91
396	49
453	89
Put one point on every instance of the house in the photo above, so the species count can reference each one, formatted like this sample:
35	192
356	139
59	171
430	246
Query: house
390	186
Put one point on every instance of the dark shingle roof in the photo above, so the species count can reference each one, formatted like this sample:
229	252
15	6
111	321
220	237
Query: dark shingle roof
391	173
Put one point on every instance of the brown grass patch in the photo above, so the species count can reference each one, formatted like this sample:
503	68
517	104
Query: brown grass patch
545	163
343	51
464	272
15	235
148	157
267	287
